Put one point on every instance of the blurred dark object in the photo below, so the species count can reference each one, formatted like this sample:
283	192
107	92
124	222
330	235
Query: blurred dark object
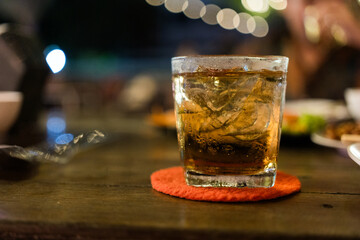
296	141
32	75
339	71
324	48
13	169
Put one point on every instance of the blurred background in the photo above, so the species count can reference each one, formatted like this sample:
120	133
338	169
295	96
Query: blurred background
109	58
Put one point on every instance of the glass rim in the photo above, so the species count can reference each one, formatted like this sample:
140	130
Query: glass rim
190	64
249	57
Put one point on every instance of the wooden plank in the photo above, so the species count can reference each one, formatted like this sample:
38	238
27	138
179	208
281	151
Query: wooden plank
132	161
300	215
105	193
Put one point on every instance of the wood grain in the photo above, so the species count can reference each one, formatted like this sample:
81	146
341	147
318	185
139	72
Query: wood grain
105	193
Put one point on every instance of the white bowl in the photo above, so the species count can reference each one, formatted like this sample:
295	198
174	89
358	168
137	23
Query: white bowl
352	98
10	105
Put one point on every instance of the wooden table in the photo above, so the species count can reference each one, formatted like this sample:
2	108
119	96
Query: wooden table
105	193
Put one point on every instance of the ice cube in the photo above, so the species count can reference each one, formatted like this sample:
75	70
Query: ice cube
255	113
217	120
189	107
265	90
196	96
216	101
251	123
217	93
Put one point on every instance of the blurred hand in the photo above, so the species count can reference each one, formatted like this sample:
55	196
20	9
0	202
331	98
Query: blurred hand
336	20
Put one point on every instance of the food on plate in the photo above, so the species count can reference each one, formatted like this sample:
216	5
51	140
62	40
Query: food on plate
302	124
336	130
164	119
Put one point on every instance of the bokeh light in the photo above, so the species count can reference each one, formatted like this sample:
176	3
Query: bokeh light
192	8
56	60
175	6
155	2
55	125
278	4
259	6
247	23
339	34
208	13
225	18
64	138
261	28
251	24
311	24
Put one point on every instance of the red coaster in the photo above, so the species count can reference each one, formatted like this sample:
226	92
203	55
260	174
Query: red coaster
172	181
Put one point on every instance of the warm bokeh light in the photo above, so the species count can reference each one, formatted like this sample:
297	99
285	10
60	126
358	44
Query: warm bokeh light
192	8
278	4
339	34
175	6
56	60
208	13
251	24
311	24
225	18
247	23
261	28
155	2
259	6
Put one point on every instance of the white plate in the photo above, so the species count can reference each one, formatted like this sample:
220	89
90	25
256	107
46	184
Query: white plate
320	139
354	152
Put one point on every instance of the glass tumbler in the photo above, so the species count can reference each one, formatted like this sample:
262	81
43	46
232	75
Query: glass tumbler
228	118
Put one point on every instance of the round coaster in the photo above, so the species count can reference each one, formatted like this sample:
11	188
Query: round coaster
172	181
